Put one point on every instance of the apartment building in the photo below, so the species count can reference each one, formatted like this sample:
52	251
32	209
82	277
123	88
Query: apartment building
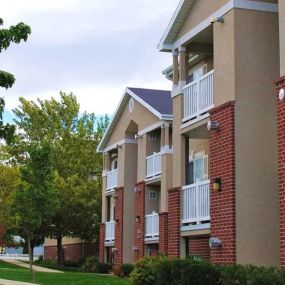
218	194
280	90
137	151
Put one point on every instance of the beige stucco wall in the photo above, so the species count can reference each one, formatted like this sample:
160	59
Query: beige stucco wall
152	204
256	68
198	145
282	36
224	83
178	162
65	241
200	11
140	116
130	163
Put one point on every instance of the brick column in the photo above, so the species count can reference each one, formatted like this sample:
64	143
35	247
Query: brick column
163	232
118	254
281	164
102	242
199	246
140	220
174	222
222	165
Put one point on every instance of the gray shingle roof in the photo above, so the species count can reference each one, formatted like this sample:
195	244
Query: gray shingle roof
160	100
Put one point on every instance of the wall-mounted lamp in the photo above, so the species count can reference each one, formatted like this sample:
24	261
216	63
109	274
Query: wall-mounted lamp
138	219
114	249
217	184
117	221
135	249
214	242
118	146
220	19
136	189
137	136
282	94
213	125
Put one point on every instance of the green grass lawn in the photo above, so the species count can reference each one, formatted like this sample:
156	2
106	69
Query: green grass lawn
12	272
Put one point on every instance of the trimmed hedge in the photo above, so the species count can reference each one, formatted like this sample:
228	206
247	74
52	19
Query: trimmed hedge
162	271
126	269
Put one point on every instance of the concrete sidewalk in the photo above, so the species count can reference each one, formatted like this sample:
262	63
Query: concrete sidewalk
11	282
35	267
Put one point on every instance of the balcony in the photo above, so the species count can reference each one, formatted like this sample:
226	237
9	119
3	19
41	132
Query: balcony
198	97
110	231
112	179
153	165
196	203
152	226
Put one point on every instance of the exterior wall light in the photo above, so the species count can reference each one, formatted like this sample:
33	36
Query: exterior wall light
136	189
114	249
213	125
214	242
281	94
220	19
217	184
135	249
118	146
138	219
137	136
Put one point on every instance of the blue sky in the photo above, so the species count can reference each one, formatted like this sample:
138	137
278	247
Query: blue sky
94	48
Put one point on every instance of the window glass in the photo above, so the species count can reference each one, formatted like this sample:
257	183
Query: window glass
198	169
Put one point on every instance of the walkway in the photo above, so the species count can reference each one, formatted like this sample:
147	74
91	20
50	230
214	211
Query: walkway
35	267
11	282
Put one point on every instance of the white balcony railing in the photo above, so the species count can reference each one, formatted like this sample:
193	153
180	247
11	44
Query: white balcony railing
198	96
112	179
196	202
110	231
153	165
152	226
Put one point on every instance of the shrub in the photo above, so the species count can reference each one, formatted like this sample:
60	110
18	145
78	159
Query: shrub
233	275
145	272
264	276
90	264
126	269
102	267
71	263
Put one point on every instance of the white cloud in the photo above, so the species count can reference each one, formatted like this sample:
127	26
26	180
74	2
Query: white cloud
94	48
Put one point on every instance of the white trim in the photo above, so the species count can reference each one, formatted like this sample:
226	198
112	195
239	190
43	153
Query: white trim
146	105
130	93
150	128
241	4
166	150
104	172
192	122
120	143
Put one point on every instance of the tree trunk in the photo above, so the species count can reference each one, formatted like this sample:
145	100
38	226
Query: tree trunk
59	251
31	260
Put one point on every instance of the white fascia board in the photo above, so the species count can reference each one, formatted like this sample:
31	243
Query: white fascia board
241	4
162	46
120	143
146	105
99	148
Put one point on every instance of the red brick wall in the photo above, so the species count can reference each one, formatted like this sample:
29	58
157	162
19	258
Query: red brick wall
140	224
163	232
73	252
101	243
174	222
200	247
222	164
118	254
281	165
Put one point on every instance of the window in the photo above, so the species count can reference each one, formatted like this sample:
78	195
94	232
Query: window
197	169
152	195
152	137
114	164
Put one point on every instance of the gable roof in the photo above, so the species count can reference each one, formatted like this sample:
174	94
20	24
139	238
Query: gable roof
175	24
158	102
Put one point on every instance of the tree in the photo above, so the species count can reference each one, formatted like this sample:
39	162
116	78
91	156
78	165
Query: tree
75	138
15	34
35	199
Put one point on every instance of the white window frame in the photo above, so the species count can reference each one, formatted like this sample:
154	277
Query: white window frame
155	197
198	156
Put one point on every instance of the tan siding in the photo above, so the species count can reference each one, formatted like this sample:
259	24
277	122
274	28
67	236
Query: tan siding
257	65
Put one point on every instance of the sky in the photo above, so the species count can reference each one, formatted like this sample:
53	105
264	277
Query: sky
93	48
